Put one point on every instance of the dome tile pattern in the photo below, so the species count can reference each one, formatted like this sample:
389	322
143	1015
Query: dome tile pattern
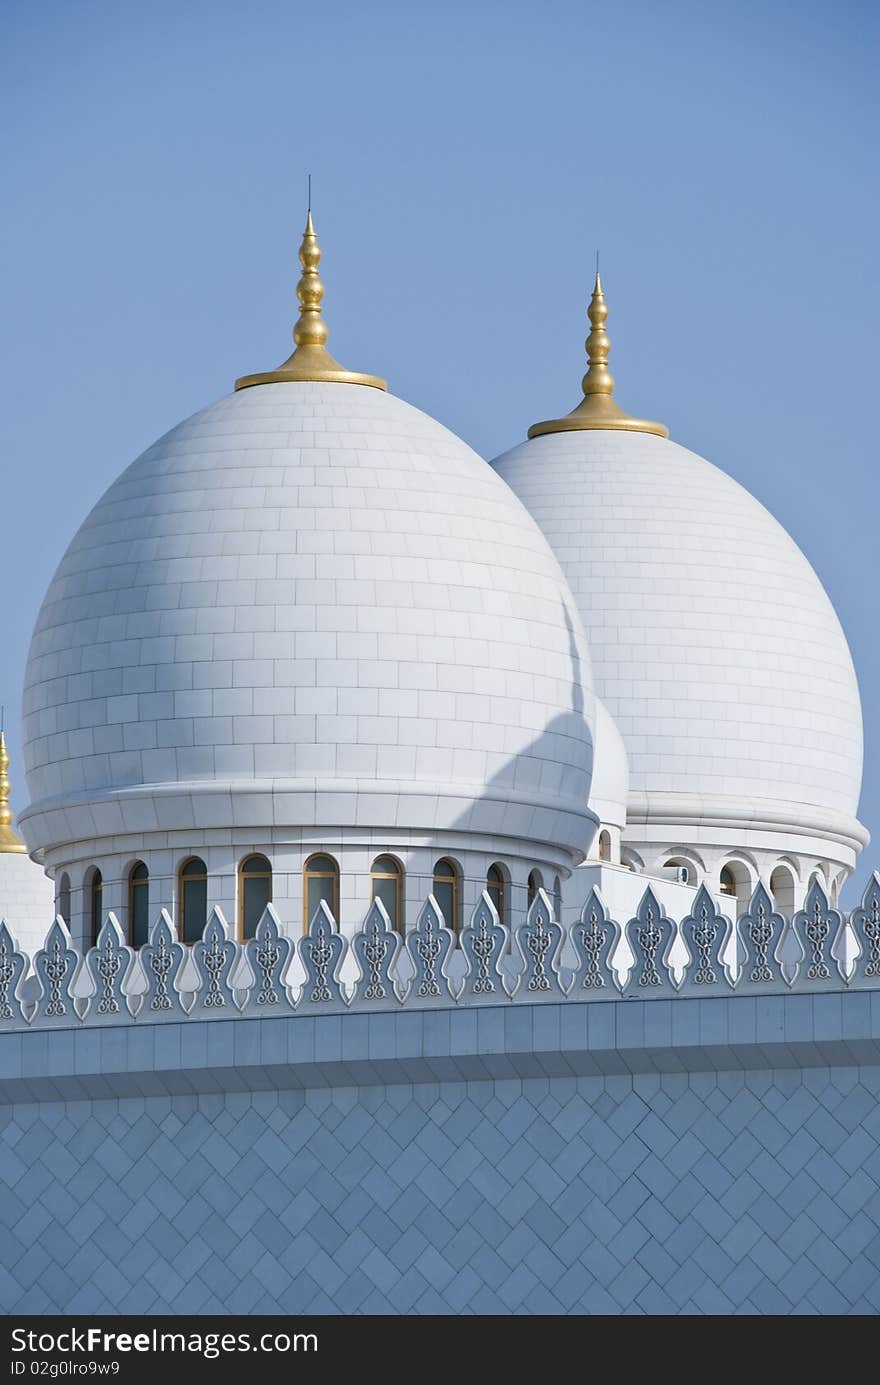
714	644
312	587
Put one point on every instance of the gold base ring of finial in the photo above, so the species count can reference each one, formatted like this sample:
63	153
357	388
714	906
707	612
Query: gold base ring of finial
339	377
572	424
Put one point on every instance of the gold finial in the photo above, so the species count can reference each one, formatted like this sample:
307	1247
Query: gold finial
311	360
597	409
9	838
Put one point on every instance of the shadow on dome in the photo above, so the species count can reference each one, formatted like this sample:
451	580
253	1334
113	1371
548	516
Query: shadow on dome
545	793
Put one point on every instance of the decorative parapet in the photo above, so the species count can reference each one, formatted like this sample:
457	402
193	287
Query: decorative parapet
649	957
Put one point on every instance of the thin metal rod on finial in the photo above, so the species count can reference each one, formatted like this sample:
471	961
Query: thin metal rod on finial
598	408
311	360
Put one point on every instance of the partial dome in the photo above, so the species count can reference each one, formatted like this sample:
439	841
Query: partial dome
308	604
715	647
714	644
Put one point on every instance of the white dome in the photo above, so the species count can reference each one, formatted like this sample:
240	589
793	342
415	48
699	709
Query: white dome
27	900
308	604
609	789
714	645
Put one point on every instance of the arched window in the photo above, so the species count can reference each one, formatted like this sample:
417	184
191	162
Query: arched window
735	881
632	860
139	904
495	889
386	883
536	883
64	898
447	891
320	882
95	903
604	845
782	889
192	892
677	863
557	899
254	893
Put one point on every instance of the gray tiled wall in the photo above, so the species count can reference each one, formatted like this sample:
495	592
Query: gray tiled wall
750	1183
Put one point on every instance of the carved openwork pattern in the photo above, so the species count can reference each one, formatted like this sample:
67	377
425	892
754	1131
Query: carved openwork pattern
268	955
817	933
483	942
57	967
593	934
11	966
426	950
649	938
214	961
761	936
483	946
539	943
161	962
110	962
143	984
871	927
321	954
705	934
429	947
376	948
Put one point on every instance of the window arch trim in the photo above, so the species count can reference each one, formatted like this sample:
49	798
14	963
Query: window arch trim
386	867
315	869
743	872
534	883
191	871
496	888
138	891
449	882
784	892
254	869
94	902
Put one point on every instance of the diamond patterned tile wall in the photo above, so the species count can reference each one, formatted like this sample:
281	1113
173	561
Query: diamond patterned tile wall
751	1191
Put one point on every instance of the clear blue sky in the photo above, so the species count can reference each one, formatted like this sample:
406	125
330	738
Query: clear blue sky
467	160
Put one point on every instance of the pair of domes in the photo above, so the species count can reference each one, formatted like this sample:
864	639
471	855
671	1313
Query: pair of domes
312	605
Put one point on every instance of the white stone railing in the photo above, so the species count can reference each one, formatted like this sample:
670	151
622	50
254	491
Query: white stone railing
650	956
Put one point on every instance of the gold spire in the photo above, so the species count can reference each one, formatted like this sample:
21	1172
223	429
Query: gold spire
311	360
9	838
597	409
